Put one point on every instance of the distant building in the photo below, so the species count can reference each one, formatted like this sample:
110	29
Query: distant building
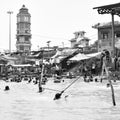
94	47
80	41
73	42
23	43
105	35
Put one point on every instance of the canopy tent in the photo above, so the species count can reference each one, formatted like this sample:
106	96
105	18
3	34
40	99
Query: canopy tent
9	57
38	61
22	65
57	59
64	52
57	54
94	54
80	56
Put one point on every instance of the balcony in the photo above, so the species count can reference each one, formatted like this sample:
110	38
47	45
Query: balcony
106	43
25	43
23	33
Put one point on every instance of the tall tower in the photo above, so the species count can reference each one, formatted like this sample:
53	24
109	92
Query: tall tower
23	43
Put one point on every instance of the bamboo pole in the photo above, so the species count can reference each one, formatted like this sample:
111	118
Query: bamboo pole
40	80
110	82
113	36
41	76
113	95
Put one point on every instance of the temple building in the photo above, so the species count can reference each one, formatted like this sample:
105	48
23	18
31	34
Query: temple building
23	43
105	35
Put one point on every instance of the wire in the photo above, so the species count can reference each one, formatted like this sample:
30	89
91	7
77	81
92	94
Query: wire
65	44
65	88
71	83
49	37
92	35
52	89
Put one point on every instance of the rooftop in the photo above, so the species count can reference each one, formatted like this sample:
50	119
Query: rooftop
23	10
109	9
106	24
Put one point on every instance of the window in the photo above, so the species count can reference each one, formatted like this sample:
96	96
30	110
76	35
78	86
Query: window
27	26
21	39
21	47
18	19
26	39
26	31
25	18
105	36
21	26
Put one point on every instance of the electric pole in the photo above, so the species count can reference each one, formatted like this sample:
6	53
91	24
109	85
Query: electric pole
10	12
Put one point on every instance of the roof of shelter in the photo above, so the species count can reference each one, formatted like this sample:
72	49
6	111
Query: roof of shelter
106	24
73	40
108	6
106	9
64	52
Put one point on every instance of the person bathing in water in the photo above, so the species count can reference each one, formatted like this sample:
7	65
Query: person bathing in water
6	88
58	95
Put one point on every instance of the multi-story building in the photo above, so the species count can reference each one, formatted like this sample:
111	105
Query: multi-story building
23	43
105	35
80	40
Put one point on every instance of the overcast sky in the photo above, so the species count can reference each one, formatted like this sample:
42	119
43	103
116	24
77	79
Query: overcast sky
54	20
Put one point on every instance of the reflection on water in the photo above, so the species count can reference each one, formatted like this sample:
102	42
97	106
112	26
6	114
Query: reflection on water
84	101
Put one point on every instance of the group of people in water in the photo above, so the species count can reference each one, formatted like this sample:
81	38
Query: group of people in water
90	78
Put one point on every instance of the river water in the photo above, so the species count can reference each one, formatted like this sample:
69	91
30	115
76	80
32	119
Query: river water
82	101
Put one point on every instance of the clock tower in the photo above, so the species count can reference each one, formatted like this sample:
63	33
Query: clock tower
23	43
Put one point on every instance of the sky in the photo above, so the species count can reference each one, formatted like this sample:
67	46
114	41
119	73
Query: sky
53	20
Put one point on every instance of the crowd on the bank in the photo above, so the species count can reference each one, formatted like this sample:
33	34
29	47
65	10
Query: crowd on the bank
86	68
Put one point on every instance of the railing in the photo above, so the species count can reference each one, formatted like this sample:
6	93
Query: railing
25	42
